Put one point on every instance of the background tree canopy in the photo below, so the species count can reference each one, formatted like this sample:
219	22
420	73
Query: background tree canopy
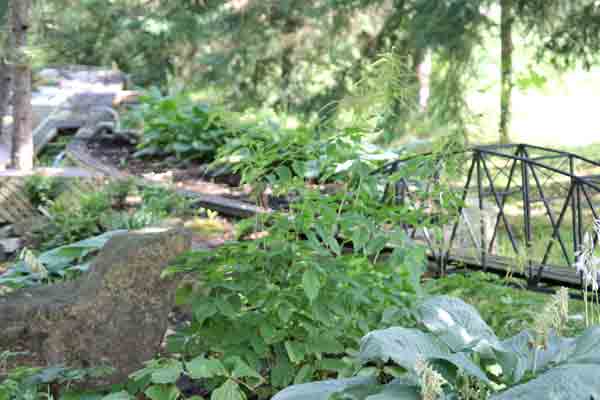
303	56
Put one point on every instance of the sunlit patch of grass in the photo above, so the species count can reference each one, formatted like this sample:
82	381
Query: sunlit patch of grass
508	310
205	226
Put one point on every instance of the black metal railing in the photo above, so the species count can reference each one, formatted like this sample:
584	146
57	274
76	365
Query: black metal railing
522	207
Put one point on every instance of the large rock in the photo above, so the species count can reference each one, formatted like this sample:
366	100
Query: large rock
116	314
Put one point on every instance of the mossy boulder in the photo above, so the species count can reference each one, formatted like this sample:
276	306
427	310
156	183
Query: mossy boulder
116	314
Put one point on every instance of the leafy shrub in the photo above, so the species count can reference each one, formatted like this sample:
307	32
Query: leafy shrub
84	214
457	342
174	125
291	305
306	151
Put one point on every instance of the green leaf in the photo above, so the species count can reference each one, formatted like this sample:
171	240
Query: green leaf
230	390
168	373
203	309
296	351
405	346
201	367
182	147
283	371
322	390
517	356
118	396
243	370
304	374
162	392
398	390
456	323
568	382
586	347
285	311
311	284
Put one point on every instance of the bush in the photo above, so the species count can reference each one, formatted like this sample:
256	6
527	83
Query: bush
78	215
174	125
292	305
306	151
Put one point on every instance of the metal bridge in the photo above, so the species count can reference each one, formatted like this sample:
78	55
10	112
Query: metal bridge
520	209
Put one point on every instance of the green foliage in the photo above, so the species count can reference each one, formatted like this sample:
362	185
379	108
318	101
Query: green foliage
62	263
270	153
290	306
82	214
575	39
128	33
29	383
507	309
40	190
175	125
457	342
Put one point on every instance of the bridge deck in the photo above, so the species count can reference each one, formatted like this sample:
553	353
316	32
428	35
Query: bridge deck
551	274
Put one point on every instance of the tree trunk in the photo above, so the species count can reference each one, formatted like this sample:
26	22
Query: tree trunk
22	140
5	90
423	72
506	23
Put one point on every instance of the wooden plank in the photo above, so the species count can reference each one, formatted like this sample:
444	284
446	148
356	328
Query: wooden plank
13	202
549	273
17	200
5	194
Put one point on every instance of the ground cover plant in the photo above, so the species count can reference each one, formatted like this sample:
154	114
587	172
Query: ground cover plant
174	125
27	383
454	342
76	213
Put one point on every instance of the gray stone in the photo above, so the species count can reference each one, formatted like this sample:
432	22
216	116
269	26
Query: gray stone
116	314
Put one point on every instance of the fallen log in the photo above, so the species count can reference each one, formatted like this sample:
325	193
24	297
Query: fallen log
116	314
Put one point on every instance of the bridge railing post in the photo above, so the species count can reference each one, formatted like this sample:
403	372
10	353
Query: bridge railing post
575	206
483	249
526	209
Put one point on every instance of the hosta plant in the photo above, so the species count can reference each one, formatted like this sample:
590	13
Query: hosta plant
454	343
174	125
61	263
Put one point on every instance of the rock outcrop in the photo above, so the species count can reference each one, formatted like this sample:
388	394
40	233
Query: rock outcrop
116	314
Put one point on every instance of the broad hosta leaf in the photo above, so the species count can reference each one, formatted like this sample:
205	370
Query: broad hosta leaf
69	253
568	382
322	390
456	323
405	346
517	355
401	345
586	347
398	389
